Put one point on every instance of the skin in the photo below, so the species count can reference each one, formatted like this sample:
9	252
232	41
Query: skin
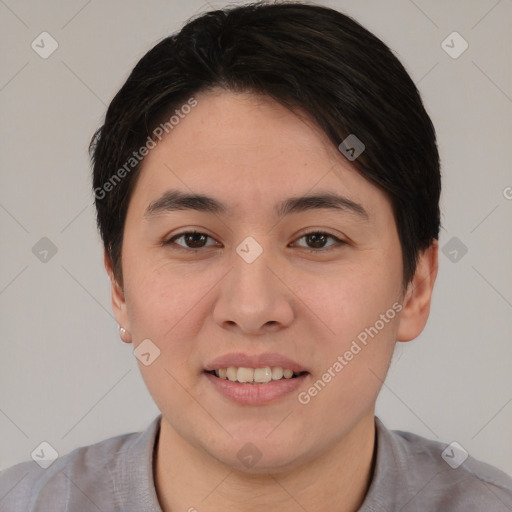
251	153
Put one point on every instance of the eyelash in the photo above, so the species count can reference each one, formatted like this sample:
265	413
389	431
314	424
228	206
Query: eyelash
337	241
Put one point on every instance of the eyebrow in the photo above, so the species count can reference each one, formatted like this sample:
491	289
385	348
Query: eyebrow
174	200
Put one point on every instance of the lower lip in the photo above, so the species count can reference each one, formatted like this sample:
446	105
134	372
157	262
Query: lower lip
255	394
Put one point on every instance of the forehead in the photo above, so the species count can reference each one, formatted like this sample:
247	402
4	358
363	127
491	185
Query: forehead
249	150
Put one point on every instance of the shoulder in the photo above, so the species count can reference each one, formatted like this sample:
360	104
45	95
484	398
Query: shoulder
82	480
442	476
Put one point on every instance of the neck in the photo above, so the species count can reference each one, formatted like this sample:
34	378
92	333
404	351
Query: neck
188	479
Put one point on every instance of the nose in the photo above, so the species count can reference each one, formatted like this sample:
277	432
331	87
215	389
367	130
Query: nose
253	298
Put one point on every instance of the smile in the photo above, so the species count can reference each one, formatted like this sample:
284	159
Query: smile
251	392
255	375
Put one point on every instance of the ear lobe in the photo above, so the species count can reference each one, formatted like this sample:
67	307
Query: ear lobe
117	295
416	305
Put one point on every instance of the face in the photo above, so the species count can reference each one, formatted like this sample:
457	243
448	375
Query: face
270	279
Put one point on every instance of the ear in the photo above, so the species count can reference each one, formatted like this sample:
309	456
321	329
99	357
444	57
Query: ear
118	299
416	305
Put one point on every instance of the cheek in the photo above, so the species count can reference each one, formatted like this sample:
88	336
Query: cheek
352	362
160	293
348	301
166	308
361	310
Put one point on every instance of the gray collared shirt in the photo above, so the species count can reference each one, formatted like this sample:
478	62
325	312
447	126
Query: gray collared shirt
116	475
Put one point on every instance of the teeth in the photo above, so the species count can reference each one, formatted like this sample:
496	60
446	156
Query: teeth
262	375
231	373
245	375
287	374
254	375
277	373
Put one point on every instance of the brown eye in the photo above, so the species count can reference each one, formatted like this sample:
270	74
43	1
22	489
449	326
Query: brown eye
190	240
317	240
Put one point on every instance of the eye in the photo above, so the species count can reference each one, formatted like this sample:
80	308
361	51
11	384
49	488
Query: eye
317	240
191	240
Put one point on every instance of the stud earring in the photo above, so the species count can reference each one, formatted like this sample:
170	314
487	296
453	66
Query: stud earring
124	335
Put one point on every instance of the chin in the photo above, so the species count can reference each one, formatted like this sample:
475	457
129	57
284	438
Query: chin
260	454
263	463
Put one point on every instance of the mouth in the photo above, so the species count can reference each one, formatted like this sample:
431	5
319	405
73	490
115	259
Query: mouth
255	376
255	379
255	386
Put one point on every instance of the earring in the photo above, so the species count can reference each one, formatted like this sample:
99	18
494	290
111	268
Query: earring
124	335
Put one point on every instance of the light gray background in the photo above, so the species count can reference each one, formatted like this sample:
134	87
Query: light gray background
66	378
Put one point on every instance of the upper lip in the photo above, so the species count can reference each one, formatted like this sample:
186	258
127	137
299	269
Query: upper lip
254	361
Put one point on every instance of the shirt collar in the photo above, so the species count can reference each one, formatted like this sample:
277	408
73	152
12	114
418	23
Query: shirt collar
387	481
134	483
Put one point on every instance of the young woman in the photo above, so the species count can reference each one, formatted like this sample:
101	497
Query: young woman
267	188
